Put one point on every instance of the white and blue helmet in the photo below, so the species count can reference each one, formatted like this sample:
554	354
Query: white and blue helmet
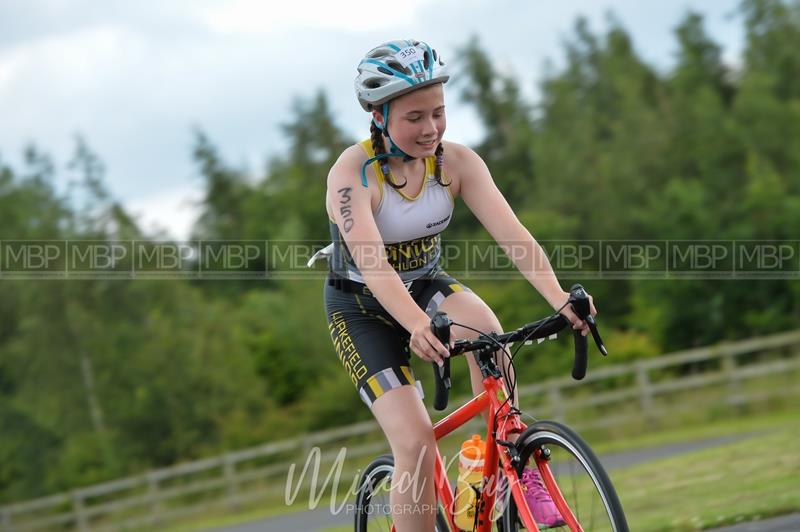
395	68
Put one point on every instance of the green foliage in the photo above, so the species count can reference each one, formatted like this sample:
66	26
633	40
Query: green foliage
101	378
507	120
287	337
289	202
27	451
226	193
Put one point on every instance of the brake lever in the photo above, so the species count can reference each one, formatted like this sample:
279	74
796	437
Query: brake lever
579	300
596	335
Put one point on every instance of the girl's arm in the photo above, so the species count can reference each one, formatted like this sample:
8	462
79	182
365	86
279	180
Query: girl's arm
353	215
493	211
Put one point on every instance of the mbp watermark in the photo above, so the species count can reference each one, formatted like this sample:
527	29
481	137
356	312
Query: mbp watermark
288	259
89	258
621	259
235	259
165	259
767	259
464	259
37	259
701	259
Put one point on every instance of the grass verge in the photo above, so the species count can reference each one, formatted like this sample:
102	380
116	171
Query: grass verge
753	479
748	480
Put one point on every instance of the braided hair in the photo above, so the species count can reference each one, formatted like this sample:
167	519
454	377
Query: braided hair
439	163
378	147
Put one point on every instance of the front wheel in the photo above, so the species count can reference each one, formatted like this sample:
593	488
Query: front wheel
372	499
580	478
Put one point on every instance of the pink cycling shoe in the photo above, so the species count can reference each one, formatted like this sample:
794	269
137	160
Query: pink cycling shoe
541	504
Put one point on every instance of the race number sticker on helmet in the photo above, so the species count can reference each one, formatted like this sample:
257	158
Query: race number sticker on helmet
408	55
396	67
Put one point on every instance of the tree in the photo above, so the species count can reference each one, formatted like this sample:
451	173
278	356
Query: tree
508	144
223	215
290	201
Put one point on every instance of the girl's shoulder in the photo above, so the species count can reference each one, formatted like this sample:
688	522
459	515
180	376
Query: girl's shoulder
459	152
346	172
349	161
460	159
454	148
353	154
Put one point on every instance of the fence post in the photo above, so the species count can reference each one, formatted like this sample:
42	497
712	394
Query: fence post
153	495
81	522
556	401
231	482
645	392
5	520
729	367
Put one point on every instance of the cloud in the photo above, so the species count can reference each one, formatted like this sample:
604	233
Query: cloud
25	21
257	16
173	210
134	78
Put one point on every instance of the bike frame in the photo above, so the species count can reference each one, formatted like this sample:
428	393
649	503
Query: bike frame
494	398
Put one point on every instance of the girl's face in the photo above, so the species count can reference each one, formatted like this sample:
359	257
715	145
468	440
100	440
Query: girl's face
417	120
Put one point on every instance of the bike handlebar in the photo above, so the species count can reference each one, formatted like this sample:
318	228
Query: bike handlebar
543	328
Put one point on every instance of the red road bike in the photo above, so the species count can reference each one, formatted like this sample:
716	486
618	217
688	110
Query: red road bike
569	469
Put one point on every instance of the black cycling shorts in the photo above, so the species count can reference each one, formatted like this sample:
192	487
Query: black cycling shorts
370	343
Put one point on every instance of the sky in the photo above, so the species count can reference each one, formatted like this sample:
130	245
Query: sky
137	79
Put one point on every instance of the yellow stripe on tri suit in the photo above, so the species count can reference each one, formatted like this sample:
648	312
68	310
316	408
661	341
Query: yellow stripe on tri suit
388	379
373	384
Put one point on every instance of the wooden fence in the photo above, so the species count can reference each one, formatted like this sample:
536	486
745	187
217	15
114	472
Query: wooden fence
721	376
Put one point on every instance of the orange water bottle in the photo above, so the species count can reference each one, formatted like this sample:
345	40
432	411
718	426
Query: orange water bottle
468	485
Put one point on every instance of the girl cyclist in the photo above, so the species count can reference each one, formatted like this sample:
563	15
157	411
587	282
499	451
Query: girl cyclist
388	199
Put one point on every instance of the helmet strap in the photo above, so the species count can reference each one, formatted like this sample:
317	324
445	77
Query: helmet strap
394	149
384	166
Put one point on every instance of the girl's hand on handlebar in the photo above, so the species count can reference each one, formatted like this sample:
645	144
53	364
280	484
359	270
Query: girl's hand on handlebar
425	344
569	313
